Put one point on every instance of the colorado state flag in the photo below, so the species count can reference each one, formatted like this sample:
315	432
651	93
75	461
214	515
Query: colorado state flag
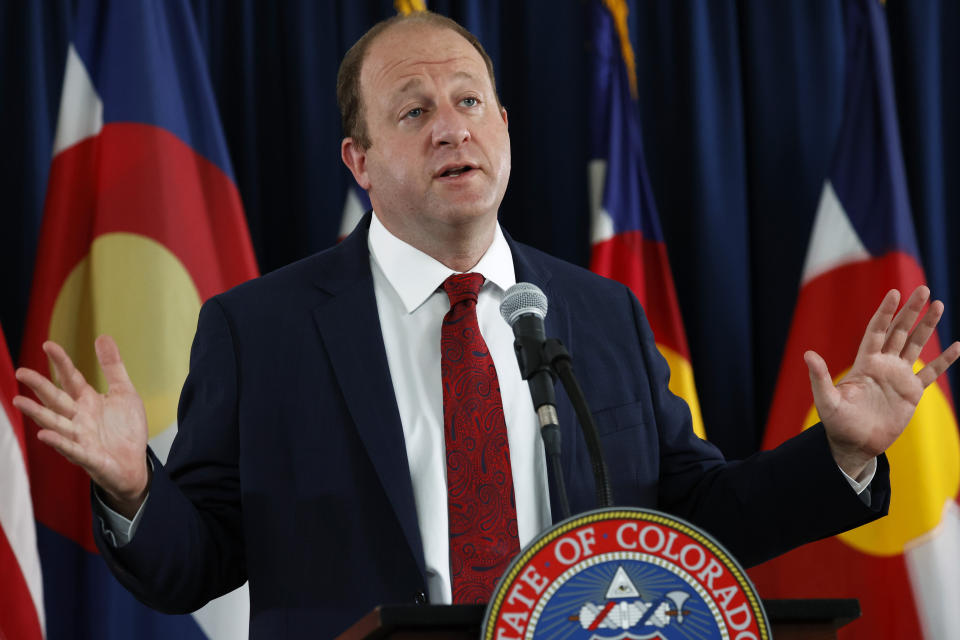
142	222
627	241
905	568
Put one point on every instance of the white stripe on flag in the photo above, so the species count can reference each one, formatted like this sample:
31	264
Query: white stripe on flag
227	617
833	241
162	442
601	223
16	513
933	562
352	213
81	110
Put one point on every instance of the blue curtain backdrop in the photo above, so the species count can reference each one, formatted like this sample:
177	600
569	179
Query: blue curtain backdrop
740	105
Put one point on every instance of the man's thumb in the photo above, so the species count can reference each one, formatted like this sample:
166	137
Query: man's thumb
820	381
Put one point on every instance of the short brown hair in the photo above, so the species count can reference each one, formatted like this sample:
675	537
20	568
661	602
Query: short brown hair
348	77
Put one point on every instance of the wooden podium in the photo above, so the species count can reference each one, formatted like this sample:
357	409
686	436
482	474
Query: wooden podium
789	619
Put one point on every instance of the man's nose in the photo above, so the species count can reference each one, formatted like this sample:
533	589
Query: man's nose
450	127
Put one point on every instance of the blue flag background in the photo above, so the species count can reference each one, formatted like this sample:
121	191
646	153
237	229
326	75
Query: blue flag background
741	106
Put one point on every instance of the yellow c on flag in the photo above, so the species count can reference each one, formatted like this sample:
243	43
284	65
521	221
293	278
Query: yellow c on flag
133	288
682	384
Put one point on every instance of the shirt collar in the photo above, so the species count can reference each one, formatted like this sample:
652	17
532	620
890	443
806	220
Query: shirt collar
415	276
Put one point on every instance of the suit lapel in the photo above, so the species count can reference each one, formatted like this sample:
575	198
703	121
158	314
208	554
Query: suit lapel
349	325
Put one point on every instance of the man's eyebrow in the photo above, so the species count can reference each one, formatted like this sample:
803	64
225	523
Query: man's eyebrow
414	83
464	75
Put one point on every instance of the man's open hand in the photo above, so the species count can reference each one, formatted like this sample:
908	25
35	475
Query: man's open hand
105	434
870	407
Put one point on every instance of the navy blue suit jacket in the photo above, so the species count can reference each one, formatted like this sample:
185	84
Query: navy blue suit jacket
289	468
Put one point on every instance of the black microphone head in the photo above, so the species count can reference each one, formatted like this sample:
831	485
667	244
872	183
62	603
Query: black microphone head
521	299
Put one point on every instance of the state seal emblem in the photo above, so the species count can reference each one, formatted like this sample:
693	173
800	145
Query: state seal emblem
619	574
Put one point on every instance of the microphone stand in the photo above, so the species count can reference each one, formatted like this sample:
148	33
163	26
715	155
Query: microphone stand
540	376
551	445
558	359
541	362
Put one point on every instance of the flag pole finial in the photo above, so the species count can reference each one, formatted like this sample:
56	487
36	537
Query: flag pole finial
406	7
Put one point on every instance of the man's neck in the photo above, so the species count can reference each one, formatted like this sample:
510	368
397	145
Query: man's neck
458	247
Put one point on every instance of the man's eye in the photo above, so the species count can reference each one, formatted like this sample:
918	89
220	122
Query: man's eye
415	113
470	102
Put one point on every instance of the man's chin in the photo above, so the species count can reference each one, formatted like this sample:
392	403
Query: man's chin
469	215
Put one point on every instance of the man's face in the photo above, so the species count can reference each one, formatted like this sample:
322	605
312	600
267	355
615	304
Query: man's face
439	153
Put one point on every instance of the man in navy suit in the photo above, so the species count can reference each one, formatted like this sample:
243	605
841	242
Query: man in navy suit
309	455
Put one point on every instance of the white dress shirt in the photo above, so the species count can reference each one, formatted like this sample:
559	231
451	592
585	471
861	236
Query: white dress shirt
411	305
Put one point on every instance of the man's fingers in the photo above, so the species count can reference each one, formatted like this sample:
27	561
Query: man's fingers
876	333
903	322
923	331
50	394
820	382
112	364
939	364
70	377
44	417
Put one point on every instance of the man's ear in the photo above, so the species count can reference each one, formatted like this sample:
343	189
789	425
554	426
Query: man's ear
356	160
503	114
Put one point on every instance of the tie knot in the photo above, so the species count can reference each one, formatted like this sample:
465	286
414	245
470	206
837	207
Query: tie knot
463	286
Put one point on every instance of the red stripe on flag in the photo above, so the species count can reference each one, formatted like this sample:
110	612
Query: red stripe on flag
142	179
643	266
8	389
18	614
872	580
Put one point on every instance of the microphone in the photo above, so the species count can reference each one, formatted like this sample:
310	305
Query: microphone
524	307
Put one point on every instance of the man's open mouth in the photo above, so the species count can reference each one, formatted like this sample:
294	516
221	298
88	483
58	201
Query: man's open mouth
455	171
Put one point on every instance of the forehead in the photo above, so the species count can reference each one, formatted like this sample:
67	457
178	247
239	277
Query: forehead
406	51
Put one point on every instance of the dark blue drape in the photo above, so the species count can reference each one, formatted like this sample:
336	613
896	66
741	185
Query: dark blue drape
740	104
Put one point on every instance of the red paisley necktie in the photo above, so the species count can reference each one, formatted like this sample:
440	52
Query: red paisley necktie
480	502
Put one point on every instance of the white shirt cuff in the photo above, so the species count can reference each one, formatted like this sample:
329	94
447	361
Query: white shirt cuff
115	528
866	477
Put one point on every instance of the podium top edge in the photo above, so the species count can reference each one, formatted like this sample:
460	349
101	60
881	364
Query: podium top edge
393	616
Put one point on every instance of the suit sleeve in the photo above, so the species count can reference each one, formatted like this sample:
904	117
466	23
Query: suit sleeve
764	505
188	548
